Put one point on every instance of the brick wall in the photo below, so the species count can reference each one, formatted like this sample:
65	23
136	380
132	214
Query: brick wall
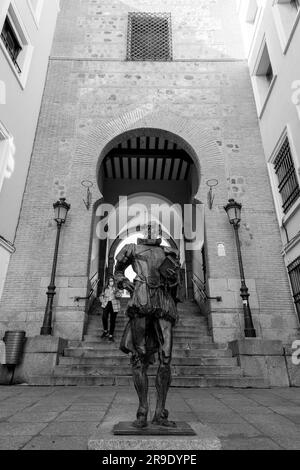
204	100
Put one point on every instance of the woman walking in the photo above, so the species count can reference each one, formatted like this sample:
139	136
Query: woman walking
111	307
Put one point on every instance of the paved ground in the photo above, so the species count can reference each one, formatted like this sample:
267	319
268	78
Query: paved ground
64	418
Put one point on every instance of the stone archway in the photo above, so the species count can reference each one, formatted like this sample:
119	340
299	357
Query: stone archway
198	141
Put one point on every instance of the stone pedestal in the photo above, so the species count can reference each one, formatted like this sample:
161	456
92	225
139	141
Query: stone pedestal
126	428
5	375
104	439
40	357
292	358
226	319
262	358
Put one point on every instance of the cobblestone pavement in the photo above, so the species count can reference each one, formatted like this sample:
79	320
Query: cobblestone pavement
54	418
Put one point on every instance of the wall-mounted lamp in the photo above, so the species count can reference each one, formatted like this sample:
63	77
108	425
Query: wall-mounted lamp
88	201
211	196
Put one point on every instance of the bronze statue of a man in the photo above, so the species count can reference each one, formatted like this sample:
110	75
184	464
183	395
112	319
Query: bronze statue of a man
152	316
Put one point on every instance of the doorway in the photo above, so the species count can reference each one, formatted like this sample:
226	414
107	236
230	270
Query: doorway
147	167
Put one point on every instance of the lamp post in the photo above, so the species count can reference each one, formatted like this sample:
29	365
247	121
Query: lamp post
233	210
61	209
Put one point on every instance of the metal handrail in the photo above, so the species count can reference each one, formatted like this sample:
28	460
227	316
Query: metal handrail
77	299
202	290
199	280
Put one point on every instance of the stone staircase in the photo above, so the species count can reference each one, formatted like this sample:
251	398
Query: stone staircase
197	361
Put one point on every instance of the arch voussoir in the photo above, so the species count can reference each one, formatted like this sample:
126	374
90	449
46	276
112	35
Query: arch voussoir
192	135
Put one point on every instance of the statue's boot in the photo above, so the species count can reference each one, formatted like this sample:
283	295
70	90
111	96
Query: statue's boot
140	380
163	382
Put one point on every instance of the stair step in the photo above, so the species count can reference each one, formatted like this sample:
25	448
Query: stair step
190	329
205	352
183	311
125	360
195	330
184	382
194	326
176	340
199	333
182	324
197	361
179	327
184	371
183	346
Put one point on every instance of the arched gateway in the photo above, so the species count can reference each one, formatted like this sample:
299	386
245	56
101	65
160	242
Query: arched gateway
158	152
148	173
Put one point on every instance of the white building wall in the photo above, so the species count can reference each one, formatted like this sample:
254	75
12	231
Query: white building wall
20	99
277	24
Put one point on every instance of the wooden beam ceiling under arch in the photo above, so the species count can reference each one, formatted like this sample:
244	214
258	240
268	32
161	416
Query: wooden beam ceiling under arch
147	158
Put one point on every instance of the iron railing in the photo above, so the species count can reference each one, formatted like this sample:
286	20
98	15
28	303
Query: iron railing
285	170
92	290
294	273
201	288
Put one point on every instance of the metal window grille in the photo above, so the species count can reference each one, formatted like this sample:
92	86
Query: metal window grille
149	37
294	273
288	182
11	42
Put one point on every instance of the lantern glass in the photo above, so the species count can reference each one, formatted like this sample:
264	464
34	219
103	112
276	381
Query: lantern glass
238	214
233	210
61	209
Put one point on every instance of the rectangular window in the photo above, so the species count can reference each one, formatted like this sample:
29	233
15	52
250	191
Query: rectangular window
149	37
11	42
294	273
285	170
16	45
263	78
286	15
264	68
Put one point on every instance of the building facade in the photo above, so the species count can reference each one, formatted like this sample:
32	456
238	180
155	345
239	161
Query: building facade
152	101
27	29
271	32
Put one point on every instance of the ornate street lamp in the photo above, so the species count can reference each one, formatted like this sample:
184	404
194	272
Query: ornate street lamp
233	210
61	209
